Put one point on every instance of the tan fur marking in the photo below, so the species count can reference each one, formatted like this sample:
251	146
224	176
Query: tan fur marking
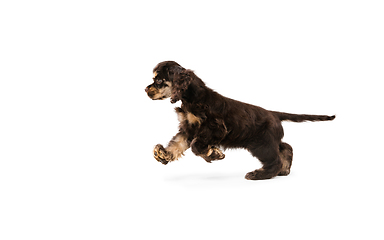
210	151
181	116
192	119
154	74
285	163
177	146
161	93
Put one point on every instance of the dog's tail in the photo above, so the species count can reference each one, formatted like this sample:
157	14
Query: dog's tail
302	117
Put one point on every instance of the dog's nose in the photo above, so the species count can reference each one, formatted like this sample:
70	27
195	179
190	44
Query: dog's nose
146	89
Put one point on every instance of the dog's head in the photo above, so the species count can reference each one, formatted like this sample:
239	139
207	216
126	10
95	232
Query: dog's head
165	82
172	80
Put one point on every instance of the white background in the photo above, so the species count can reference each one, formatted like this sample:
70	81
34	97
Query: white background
77	129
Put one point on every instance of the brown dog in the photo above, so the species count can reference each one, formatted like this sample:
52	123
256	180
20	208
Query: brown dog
209	120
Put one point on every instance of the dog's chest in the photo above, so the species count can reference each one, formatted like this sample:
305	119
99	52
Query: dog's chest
188	118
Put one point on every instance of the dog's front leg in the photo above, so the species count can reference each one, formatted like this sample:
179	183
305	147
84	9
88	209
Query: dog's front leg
208	152
175	149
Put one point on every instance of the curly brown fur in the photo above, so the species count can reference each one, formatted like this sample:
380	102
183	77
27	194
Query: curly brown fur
209	121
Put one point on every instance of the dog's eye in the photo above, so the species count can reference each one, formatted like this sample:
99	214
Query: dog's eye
159	81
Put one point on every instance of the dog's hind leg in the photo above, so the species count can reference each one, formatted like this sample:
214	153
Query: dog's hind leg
270	158
286	155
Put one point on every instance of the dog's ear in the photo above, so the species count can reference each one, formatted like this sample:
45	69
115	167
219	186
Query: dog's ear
167	69
174	71
181	85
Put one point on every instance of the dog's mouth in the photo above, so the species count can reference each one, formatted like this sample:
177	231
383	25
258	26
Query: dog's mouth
160	98
158	93
155	97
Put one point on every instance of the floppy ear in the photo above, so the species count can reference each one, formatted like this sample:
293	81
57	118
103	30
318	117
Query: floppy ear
182	79
167	68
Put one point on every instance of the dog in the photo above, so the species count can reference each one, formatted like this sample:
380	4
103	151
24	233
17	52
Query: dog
210	122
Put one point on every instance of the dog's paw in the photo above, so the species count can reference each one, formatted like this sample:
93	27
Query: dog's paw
260	174
161	154
214	154
255	175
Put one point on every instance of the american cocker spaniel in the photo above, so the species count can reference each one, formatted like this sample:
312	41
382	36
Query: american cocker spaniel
210	122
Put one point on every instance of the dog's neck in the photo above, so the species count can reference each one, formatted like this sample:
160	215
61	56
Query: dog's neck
203	101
